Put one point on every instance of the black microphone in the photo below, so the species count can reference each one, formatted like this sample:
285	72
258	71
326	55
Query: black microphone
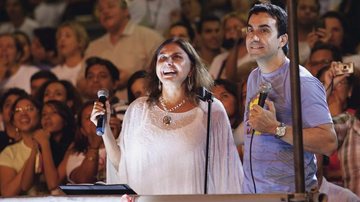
204	94
264	91
102	94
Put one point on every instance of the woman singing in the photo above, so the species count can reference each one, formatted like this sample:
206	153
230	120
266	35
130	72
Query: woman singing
161	148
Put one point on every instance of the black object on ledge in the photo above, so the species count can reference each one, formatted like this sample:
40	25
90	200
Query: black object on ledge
97	189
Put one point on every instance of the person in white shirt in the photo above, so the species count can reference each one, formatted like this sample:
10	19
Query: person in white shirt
155	14
12	73
227	65
72	41
128	45
16	10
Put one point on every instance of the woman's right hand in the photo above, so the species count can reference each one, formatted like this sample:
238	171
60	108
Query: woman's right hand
99	109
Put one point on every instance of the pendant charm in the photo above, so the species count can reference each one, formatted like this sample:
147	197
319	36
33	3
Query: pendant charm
167	120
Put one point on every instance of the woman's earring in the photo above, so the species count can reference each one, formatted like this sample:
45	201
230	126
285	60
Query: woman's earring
17	132
159	86
189	84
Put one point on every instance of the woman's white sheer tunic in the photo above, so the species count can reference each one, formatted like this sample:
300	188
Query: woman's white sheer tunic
154	158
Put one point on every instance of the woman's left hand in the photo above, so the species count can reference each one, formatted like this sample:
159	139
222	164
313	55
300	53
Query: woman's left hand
330	77
115	125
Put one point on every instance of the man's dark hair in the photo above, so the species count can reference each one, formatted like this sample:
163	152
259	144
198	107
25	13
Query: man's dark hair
137	75
114	72
277	13
188	28
11	91
335	52
232	88
43	74
208	18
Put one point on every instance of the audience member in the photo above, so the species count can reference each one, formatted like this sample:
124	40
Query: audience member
172	125
72	41
55	141
225	65
9	135
127	45
103	74
241	7
49	13
136	86
339	89
12	73
60	90
307	21
209	33
321	55
20	165
337	26
87	161
25	44
16	11
334	193
182	30
218	8
227	92
38	79
43	48
155	14
349	153
190	12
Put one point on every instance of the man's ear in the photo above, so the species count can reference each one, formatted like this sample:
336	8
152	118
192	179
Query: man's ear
283	40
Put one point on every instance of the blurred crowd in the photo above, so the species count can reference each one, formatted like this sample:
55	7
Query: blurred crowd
55	55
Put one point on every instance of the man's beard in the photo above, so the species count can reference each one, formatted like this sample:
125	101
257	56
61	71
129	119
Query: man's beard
230	43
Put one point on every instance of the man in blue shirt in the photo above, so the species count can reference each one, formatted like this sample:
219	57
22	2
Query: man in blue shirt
272	146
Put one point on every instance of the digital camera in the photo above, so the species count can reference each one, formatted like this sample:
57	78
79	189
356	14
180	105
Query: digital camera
343	68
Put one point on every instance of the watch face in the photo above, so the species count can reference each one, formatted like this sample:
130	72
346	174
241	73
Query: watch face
280	131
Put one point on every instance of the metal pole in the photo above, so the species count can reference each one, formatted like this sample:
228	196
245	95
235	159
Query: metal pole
296	98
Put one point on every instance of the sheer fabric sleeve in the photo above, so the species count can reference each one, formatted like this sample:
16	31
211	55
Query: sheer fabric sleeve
117	172
111	146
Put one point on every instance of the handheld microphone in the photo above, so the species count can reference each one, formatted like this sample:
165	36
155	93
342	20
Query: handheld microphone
102	94
264	91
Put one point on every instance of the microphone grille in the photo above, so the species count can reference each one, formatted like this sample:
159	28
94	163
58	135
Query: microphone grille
103	93
265	87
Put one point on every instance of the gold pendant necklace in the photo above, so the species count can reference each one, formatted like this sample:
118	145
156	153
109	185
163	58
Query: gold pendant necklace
167	118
